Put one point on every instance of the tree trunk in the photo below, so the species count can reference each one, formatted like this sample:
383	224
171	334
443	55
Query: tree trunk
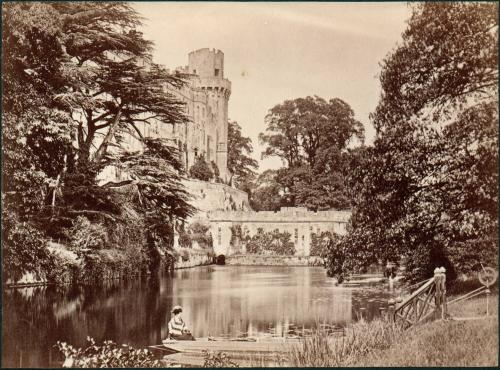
104	145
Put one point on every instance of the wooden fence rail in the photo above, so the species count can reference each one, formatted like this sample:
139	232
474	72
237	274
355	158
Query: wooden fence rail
428	299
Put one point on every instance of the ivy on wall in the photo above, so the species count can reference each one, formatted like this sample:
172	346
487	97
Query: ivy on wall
274	242
196	232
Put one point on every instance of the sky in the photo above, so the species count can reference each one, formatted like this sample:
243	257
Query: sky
279	51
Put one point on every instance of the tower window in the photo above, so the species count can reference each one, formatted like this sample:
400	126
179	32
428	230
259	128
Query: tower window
216	72
194	71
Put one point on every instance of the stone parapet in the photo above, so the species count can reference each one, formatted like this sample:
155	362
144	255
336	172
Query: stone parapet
284	215
300	223
259	260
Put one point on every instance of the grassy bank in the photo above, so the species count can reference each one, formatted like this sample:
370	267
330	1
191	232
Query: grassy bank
438	343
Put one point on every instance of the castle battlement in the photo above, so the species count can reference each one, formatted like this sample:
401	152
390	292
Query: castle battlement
285	215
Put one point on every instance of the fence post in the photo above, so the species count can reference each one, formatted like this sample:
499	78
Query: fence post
392	304
362	313
488	291
382	312
440	297
444	314
437	296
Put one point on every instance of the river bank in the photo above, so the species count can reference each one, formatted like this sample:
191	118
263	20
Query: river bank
454	342
113	266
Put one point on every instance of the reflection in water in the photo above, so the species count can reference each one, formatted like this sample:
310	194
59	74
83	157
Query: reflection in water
217	301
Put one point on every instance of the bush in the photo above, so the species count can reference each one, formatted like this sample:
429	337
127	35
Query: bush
111	249
185	240
336	259
217	359
237	233
201	170
24	249
275	242
319	243
196	232
185	255
200	233
86	235
109	354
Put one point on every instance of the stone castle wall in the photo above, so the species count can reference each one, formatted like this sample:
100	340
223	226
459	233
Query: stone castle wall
215	197
206	97
262	260
299	222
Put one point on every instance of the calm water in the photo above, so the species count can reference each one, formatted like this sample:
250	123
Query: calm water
217	300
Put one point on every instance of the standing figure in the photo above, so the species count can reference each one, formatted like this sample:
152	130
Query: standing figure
177	329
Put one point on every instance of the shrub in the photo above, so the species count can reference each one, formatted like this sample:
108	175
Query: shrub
87	235
336	258
185	239
24	249
185	255
217	359
275	242
197	232
319	243
200	233
237	232
201	170
109	354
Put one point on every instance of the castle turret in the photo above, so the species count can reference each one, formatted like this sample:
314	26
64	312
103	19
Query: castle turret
208	66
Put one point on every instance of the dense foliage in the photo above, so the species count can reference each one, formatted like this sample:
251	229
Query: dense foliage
311	136
275	242
26	250
201	170
320	243
196	232
266	193
77	77
107	355
239	162
217	359
427	191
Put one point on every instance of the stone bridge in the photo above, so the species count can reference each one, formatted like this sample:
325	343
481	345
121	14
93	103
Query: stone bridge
298	221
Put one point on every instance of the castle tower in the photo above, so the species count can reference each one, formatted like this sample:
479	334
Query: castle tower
208	66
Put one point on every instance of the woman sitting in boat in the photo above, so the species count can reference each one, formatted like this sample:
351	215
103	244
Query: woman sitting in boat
177	329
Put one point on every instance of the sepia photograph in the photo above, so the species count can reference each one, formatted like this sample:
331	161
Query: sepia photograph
225	184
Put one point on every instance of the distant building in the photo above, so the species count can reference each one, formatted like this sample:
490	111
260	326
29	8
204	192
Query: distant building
297	221
206	95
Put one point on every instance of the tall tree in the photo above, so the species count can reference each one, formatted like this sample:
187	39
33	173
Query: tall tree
239	162
76	78
311	136
427	189
267	194
112	84
35	133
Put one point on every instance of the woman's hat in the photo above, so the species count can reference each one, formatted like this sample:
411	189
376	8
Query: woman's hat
176	309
